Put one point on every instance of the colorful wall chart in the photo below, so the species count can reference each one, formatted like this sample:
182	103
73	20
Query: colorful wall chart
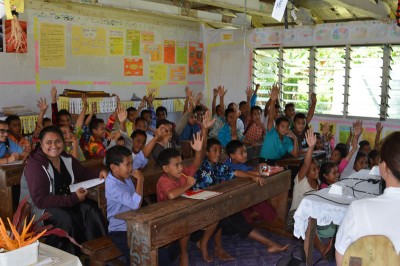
133	67
12	46
169	52
158	72
147	37
52	45
153	52
133	42
116	40
195	58
88	41
181	53
177	73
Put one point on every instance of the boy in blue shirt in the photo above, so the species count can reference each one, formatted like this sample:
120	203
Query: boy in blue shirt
9	150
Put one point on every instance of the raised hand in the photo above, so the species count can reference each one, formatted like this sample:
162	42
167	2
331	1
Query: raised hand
53	94
358	129
311	138
188	92
198	98
257	88
208	121
221	91
161	132
42	105
325	128
313	98
215	92
379	127
84	99
122	114
150	98
274	92
249	92
197	142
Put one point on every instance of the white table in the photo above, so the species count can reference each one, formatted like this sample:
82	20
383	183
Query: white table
58	257
322	208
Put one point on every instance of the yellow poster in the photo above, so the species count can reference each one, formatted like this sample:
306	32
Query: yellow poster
369	135
88	41
147	37
133	42
158	72
177	73
153	52
116	42
154	89
52	45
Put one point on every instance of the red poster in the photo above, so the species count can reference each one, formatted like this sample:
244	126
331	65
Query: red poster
16	38
133	67
169	52
195	58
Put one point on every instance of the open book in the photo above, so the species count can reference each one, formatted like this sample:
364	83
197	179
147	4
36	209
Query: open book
86	184
200	194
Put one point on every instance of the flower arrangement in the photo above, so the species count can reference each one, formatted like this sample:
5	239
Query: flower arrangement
23	234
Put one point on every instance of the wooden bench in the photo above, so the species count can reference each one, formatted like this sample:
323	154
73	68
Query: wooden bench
159	224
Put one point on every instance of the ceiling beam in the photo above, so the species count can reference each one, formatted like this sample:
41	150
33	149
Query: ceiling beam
381	10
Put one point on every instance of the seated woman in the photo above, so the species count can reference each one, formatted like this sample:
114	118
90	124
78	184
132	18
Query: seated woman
46	179
375	216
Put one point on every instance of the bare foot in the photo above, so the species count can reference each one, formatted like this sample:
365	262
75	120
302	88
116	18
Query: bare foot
184	259
272	248
223	255
204	251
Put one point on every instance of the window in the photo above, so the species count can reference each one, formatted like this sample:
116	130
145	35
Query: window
266	67
329	80
365	81
295	78
394	84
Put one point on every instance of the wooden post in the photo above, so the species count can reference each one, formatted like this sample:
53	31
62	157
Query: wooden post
309	241
139	243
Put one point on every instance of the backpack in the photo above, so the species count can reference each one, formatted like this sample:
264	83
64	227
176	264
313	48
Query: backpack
296	258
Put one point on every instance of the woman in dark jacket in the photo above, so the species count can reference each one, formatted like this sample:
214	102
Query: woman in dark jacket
46	179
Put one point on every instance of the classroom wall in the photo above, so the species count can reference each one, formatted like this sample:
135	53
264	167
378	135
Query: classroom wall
24	77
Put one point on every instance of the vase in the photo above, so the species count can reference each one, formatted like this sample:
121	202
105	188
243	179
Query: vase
21	256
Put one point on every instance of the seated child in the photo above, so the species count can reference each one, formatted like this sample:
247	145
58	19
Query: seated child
97	142
373	158
9	150
289	113
364	146
131	119
279	140
218	111
255	129
15	133
174	182
141	123
71	144
299	130
229	131
191	128
305	181
165	141
237	161
328	174
213	172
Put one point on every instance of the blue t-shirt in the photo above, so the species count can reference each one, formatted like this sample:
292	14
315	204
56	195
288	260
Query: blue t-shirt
210	174
273	148
225	135
237	166
189	131
12	147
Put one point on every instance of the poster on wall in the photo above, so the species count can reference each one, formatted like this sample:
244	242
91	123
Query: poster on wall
88	41
169	52
195	58
1	35
116	40
52	45
133	42
177	73
14	43
133	67
181	53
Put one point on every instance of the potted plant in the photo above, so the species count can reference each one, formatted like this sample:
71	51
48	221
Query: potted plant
20	245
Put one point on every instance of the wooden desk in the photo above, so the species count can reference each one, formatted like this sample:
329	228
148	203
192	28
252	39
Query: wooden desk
11	176
297	161
159	224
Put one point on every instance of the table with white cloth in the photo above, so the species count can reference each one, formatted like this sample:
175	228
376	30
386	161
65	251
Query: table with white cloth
323	208
49	255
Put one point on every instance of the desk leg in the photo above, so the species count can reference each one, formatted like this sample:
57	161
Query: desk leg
309	241
6	203
139	242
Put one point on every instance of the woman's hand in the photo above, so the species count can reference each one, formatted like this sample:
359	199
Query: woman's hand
81	193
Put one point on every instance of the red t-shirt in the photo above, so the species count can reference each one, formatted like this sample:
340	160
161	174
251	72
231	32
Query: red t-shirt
166	183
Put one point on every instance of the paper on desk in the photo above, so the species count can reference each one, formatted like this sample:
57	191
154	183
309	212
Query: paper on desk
13	163
200	194
86	184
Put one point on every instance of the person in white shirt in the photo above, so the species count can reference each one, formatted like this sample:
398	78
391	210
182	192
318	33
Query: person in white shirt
380	215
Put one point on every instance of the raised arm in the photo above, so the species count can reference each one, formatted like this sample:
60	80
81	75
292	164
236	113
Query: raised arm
214	101
311	110
197	145
42	105
188	93
249	93
311	140
159	134
205	126
221	92
379	128
81	118
54	107
273	98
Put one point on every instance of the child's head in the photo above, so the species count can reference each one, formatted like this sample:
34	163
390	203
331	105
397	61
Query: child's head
141	123
243	107
277	113
361	161
319	145
329	173
14	125
255	113
213	150
341	150
146	114
171	162
299	122
219	110
120	141
289	110
236	151
373	158
132	113
168	132
161	113
232	105
47	122
119	162
282	125
230	116
98	128
365	146
64	118
67	134
139	140
3	131
313	171
198	112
